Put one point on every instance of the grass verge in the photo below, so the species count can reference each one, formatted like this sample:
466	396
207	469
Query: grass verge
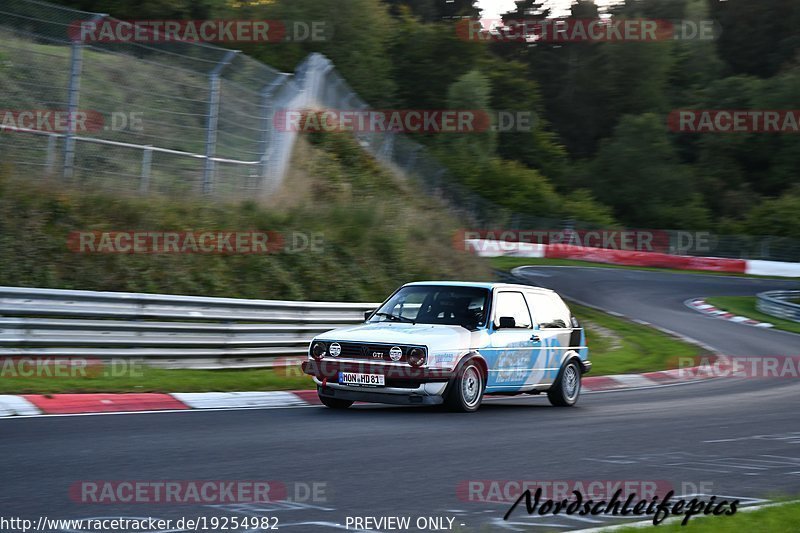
163	380
616	346
508	263
352	232
777	518
619	346
746	306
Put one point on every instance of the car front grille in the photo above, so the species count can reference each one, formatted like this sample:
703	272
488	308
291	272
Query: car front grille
373	352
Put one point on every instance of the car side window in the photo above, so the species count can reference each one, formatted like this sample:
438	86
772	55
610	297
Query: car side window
513	304
562	313
549	310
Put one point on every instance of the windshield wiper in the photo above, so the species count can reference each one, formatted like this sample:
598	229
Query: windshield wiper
390	316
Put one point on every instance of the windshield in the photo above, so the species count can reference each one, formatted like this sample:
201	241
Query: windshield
433	304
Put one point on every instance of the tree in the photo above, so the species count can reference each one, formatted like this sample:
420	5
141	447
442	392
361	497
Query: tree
358	36
581	205
150	9
434	10
572	77
427	59
471	91
776	216
513	93
638	174
757	38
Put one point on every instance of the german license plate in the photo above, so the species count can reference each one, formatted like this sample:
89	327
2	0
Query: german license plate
363	380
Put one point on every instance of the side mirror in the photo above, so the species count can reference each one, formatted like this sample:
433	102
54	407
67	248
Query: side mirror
507	322
367	314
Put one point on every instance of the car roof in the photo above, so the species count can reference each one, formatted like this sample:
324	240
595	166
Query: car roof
480	284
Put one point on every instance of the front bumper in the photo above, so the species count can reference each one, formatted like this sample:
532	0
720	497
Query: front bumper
405	385
586	366
401	376
396	398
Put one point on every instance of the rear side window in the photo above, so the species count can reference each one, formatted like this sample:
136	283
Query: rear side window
549	310
513	304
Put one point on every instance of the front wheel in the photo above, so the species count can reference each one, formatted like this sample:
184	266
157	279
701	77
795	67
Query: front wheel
334	403
567	388
467	389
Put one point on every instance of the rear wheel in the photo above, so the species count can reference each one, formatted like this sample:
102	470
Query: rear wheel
466	392
334	403
567	388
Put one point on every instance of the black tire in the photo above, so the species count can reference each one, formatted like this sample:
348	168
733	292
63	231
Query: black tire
567	388
466	391
334	403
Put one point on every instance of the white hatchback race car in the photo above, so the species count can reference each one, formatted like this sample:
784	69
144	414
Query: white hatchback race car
453	342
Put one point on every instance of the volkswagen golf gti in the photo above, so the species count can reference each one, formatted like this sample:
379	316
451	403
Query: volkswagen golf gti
451	343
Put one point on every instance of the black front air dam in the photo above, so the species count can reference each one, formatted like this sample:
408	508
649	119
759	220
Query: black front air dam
379	397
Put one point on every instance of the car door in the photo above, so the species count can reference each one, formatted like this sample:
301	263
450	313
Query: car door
510	349
553	326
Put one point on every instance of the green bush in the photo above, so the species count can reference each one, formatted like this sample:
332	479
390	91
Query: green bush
377	232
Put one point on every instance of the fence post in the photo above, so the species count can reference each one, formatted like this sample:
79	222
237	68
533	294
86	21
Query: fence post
51	154
75	69
213	118
267	123
147	160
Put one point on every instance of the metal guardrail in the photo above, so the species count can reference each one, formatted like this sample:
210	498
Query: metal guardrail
164	330
777	304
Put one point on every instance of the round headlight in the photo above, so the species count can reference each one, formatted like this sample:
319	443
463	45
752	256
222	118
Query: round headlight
396	353
318	350
416	357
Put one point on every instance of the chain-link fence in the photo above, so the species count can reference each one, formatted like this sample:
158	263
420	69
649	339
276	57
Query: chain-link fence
325	88
163	117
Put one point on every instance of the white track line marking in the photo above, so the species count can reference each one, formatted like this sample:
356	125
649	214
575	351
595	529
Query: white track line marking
489	399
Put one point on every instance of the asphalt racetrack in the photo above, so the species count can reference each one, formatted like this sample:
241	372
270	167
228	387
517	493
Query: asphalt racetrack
738	438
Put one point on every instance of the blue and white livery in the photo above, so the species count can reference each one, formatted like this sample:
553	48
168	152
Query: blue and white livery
439	342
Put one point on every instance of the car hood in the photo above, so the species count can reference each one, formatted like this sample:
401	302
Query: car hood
436	337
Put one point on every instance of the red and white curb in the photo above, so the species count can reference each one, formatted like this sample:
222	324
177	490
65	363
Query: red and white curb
647	379
634	258
699	304
65	404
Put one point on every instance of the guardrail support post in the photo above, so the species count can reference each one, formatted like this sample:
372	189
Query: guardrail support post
213	119
75	69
